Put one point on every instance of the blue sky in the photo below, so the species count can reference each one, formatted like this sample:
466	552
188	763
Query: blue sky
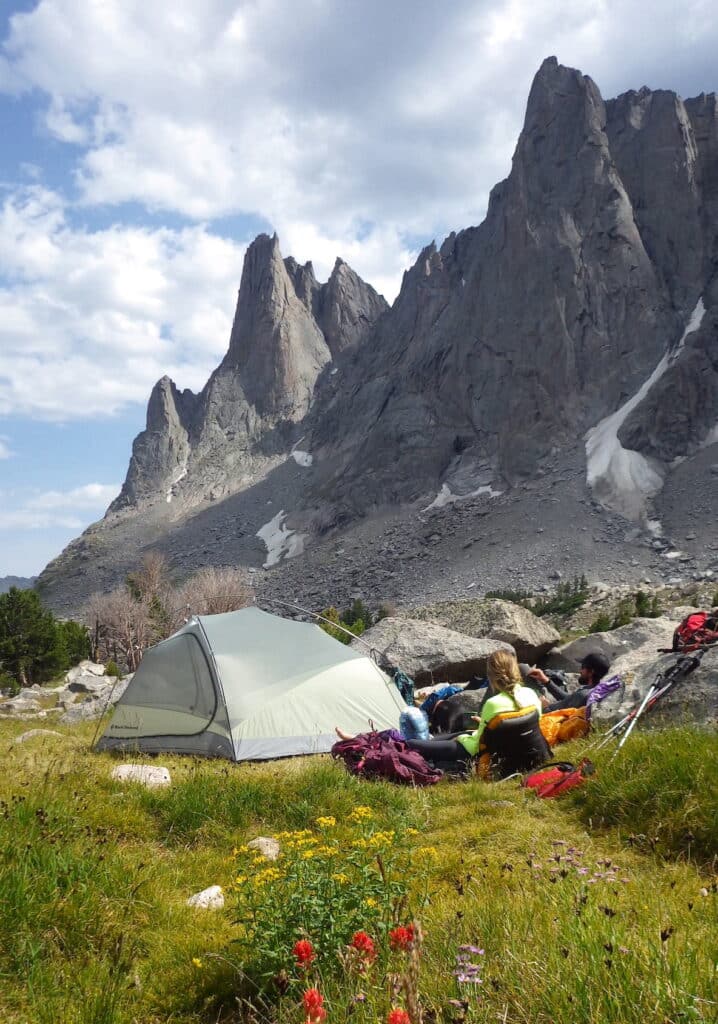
144	146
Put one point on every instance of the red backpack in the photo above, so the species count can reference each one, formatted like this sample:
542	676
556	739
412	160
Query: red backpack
555	779
696	630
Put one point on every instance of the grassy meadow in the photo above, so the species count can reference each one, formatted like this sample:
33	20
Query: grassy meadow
598	907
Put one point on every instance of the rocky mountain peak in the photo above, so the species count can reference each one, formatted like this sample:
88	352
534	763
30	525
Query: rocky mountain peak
160	453
276	348
348	308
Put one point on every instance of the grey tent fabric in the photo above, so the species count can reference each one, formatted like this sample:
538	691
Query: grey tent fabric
248	685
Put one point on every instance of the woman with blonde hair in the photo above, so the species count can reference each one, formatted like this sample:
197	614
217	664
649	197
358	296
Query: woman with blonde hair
509	697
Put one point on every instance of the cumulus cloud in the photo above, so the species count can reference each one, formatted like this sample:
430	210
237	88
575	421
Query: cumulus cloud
370	122
89	496
357	130
90	320
72	509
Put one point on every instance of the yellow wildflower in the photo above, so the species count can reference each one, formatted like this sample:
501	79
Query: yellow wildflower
268	875
341	878
326	822
239	849
428	851
360	813
240	880
380	839
308	854
197	962
412	831
327	851
371	902
360	844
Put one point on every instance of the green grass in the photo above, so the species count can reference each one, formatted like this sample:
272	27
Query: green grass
599	907
661	792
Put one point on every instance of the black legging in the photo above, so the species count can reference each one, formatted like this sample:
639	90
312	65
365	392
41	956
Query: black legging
441	750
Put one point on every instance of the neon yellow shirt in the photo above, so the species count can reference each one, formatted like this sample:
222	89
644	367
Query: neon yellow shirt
501	702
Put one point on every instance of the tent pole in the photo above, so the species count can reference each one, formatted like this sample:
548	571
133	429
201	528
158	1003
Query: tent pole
316	615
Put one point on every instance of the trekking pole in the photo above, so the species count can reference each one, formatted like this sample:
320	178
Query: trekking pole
635	715
682	668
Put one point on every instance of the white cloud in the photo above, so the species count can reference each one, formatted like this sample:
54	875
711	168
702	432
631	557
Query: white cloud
72	509
89	496
90	320
5	452
357	130
370	122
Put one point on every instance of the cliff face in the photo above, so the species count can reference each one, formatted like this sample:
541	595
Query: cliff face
584	306
517	335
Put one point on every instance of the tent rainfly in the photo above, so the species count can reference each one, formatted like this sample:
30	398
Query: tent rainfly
249	686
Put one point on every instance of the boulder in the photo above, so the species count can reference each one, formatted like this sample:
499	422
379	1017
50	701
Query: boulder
85	668
693	698
626	647
104	696
19	706
493	619
211	898
429	652
146	774
84	711
266	845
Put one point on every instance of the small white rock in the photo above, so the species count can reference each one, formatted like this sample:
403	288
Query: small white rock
209	899
267	846
147	774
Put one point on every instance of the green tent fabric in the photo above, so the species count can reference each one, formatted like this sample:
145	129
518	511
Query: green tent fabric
248	685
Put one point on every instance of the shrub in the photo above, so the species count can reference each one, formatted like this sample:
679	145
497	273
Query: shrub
34	646
601	624
569	597
625	613
639	605
328	884
111	669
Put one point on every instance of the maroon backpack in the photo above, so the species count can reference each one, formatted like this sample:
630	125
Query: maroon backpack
376	755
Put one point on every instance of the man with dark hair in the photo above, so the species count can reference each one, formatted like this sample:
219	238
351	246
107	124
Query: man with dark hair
593	668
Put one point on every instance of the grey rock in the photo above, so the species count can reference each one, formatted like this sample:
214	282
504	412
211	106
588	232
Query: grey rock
85	668
429	652
19	706
693	699
267	846
86	711
148	775
211	898
625	647
530	636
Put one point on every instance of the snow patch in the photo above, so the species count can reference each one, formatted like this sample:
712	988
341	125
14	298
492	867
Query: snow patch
302	458
279	540
622	479
672	554
711	437
447	497
179	475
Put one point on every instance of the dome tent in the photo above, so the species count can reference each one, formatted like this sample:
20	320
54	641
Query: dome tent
248	685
